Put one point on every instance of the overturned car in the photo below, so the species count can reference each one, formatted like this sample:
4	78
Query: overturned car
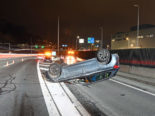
104	66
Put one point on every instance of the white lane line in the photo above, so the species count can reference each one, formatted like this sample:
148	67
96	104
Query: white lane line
75	101
52	111
65	106
44	65
64	100
45	69
141	90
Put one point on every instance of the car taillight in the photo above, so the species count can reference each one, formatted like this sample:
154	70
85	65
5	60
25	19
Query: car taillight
116	67
71	52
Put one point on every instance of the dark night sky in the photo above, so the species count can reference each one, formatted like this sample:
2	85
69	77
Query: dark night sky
77	17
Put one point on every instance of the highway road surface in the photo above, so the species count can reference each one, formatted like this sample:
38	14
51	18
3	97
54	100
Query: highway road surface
22	94
20	91
116	98
25	92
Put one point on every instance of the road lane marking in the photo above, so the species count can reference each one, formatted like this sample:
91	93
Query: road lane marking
44	65
141	90
75	101
63	97
45	69
65	106
51	108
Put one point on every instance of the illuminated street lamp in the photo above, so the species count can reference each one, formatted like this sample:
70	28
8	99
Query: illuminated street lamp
78	37
58	34
137	40
113	40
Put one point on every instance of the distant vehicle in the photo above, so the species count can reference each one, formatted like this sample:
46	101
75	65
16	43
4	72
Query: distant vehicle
48	56
70	53
105	63
51	56
55	58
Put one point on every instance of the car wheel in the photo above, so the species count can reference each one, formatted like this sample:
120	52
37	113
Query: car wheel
55	70
103	56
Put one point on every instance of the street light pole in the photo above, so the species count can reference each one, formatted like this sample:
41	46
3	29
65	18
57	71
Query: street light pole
76	43
137	40
101	43
9	47
77	38
31	45
58	36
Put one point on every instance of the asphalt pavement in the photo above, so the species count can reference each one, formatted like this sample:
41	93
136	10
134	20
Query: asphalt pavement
25	91
21	94
20	91
116	98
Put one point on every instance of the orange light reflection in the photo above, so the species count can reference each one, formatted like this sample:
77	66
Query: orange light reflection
70	60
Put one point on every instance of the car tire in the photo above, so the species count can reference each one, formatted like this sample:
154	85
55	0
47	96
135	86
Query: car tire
55	70
103	56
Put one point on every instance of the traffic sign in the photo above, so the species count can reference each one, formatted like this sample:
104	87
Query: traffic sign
91	40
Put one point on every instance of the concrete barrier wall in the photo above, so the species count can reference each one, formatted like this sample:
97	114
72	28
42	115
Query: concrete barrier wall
141	71
132	69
